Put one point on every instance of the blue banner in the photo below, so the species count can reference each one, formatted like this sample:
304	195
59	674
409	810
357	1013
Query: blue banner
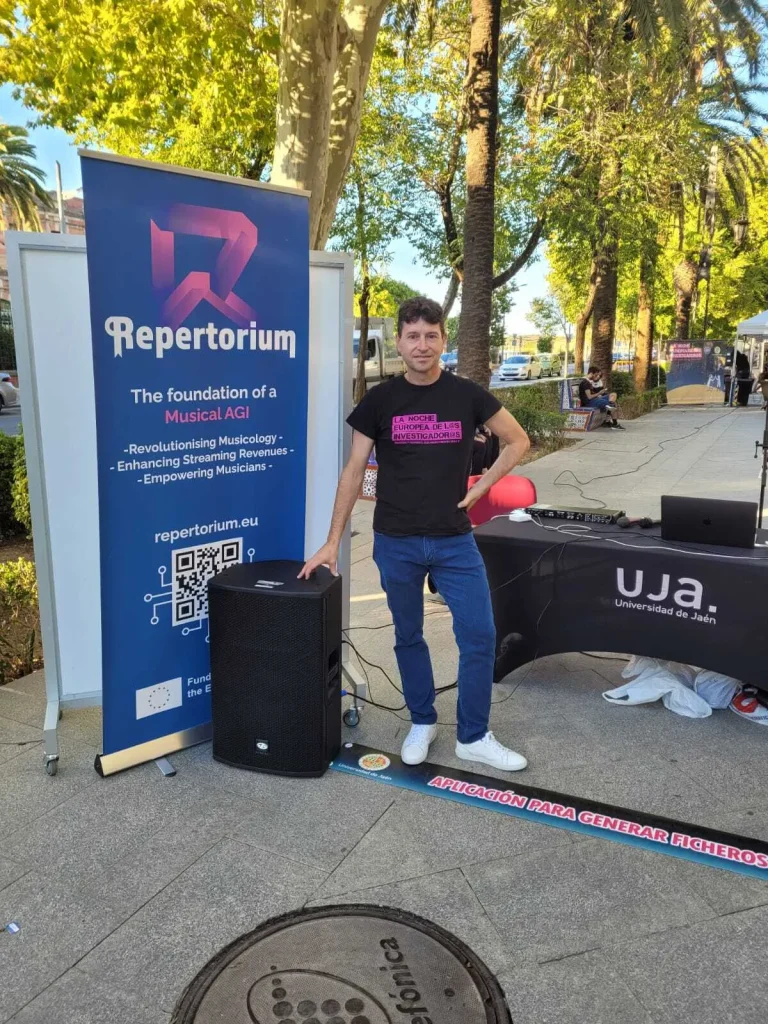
199	292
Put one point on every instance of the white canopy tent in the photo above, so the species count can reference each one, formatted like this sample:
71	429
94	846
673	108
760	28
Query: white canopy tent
755	327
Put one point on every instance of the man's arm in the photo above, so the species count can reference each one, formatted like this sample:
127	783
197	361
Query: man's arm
346	495
505	426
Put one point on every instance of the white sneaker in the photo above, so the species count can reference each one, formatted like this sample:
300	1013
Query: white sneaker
488	750
416	746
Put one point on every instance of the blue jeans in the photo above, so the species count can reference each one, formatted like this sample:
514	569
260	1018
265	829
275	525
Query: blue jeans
457	569
601	402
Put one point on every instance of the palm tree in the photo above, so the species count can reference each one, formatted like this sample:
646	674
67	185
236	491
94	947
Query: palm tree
482	111
21	181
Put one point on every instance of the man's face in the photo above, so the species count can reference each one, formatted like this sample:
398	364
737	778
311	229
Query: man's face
421	344
594	377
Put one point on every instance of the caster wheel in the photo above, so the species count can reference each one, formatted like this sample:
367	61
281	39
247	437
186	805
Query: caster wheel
51	767
351	717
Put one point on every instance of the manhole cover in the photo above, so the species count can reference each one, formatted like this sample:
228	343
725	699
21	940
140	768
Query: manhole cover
345	965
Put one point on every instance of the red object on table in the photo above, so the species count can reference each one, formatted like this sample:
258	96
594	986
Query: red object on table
506	494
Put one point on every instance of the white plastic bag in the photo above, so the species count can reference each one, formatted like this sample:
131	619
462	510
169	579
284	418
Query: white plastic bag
638	666
657	682
715	688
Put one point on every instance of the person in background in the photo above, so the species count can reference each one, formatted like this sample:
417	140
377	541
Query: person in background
761	385
593	395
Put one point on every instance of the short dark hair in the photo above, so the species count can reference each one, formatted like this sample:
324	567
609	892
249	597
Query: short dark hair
420	308
594	369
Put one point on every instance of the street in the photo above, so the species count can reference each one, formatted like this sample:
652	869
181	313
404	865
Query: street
10	420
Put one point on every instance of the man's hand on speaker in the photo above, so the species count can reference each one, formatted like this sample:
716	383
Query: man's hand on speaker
327	555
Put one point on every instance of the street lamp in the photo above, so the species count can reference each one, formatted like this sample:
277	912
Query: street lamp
740	231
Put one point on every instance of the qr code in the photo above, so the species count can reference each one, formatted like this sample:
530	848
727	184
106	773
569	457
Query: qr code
192	568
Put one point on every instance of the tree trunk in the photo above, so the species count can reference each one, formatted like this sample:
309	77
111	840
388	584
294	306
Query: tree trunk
325	59
644	344
362	351
482	106
685	277
354	65
309	34
606	262
450	295
582	320
365	291
604	311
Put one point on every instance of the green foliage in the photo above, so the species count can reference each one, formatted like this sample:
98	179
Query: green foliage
19	629
622	383
545	343
21	181
14	493
386	296
633	406
183	82
537	410
7	348
9	524
20	488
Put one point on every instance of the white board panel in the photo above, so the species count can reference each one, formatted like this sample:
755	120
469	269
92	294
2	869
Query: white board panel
59	341
49	288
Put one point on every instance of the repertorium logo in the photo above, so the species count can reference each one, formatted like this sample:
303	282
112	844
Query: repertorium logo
682	596
240	238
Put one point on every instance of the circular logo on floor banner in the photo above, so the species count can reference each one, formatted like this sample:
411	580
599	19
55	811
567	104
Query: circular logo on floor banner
374	762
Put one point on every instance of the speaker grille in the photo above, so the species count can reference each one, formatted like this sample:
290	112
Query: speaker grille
276	691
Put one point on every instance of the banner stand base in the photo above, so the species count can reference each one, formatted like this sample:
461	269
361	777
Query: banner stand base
154	750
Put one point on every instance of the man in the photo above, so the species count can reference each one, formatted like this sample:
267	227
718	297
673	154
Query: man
423	425
593	395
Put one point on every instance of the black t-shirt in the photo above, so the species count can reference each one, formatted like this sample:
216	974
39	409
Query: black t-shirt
586	389
424	435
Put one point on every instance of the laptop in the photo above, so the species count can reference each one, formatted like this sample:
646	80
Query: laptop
731	524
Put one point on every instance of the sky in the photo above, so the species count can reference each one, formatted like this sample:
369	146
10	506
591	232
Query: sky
52	144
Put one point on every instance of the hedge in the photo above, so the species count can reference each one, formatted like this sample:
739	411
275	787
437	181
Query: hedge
633	406
536	407
14	492
20	651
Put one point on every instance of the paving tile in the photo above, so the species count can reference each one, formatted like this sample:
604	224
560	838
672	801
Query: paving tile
227	892
27	792
580	897
16	738
10	870
445	898
21	706
58	926
117	816
77	999
131	881
316	821
737	775
710	973
422	834
571	992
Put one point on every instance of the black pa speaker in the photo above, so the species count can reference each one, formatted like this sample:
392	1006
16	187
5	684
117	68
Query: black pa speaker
275	668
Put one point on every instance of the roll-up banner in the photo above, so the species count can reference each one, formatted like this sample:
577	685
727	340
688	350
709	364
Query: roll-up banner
199	295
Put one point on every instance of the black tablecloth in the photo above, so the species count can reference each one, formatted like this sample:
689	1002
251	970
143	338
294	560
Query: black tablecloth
608	589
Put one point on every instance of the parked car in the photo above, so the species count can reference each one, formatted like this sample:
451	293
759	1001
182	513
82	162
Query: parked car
551	366
522	367
9	395
449	361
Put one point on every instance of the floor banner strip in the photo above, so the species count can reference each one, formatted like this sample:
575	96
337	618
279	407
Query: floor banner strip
680	839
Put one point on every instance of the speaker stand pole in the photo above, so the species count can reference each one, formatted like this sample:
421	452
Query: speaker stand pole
354	681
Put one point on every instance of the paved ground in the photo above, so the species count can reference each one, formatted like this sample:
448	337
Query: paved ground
124	887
